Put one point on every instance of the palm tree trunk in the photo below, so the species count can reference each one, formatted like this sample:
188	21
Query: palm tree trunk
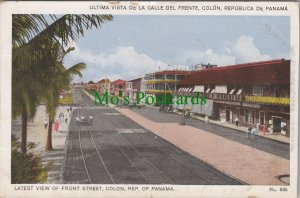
49	136
24	130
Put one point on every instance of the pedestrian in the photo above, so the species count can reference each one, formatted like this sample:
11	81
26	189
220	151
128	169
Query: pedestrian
56	125
46	123
248	131
257	126
253	131
68	110
66	119
77	119
71	109
91	119
236	121
264	130
62	117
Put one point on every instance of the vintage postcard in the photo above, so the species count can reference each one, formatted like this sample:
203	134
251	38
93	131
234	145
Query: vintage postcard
149	99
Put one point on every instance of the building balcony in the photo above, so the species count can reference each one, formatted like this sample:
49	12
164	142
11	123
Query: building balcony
223	96
155	81
268	100
157	91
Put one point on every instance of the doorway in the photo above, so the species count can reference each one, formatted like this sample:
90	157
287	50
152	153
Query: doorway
227	115
276	124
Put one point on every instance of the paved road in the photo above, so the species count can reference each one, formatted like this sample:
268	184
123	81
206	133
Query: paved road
116	150
261	143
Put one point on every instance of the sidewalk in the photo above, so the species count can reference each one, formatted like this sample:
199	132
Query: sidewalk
276	137
245	163
57	155
37	134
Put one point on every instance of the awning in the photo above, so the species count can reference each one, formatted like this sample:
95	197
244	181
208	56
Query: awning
232	90
239	92
221	89
199	88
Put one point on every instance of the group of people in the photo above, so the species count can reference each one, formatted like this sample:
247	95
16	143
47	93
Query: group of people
63	118
252	129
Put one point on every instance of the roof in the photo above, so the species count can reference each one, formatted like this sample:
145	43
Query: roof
103	81
264	72
135	80
172	72
118	82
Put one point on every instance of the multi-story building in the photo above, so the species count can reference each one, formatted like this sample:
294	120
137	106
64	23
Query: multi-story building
163	82
103	86
117	86
253	93
132	87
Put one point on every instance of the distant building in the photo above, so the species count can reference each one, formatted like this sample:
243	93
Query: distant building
204	66
132	87
117	86
163	82
253	93
103	86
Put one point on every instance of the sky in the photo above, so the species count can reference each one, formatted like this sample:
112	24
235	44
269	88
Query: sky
130	46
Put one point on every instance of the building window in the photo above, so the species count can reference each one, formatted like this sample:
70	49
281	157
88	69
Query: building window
257	90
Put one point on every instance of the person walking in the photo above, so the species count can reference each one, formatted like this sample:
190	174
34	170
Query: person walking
253	131
56	125
66	119
236	121
248	131
264	130
257	127
46	123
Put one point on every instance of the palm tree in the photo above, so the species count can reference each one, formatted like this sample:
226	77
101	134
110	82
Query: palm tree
33	40
61	81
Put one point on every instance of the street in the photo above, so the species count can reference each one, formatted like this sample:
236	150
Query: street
116	150
267	145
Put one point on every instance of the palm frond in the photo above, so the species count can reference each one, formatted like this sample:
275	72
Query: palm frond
76	69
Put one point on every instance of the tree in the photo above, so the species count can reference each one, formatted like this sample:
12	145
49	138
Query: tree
33	40
60	79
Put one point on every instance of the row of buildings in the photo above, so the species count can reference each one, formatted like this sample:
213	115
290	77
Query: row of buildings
253	93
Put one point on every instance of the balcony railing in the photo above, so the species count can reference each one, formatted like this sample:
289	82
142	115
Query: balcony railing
268	100
161	81
223	96
157	91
